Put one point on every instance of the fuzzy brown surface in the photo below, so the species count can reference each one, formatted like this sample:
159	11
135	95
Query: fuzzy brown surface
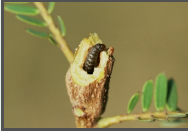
91	99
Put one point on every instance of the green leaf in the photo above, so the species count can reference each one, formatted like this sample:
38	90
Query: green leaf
147	95
51	7
37	33
16	2
132	102
31	20
172	97
51	39
22	9
62	26
160	92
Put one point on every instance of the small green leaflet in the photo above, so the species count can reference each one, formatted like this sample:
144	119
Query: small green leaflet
51	39
132	102
62	26
51	7
31	20
37	33
160	92
21	9
147	95
172	97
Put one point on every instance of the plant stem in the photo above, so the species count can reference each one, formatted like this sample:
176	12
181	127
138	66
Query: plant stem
152	116
55	31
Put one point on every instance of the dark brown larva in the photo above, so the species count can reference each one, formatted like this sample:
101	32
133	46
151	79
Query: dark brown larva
93	58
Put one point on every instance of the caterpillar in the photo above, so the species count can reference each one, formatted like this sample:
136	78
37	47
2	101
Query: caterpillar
92	59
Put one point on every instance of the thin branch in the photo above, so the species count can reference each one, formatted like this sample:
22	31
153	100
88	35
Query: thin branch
152	116
55	31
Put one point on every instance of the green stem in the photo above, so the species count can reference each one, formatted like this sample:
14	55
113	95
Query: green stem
152	116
